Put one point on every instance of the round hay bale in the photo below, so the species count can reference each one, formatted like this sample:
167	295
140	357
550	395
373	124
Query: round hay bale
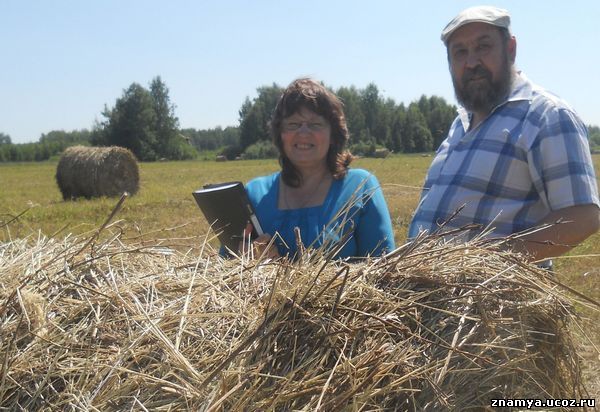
97	171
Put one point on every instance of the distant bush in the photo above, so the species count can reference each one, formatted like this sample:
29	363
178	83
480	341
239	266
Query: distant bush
208	154
231	152
367	149
594	136
179	149
212	139
261	150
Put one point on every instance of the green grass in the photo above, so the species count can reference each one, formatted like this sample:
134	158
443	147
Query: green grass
164	199
164	202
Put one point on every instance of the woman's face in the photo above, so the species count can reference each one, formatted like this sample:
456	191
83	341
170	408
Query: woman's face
306	139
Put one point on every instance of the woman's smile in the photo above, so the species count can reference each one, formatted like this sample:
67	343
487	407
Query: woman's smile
306	138
304	146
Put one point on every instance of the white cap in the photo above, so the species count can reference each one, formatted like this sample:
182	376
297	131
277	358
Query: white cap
479	14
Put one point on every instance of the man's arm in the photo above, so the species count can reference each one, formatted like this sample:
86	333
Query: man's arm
576	223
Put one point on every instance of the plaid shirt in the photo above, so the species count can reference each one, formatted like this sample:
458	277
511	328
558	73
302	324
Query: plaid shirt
528	158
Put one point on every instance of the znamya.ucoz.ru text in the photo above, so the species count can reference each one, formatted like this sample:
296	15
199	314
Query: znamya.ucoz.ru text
542	403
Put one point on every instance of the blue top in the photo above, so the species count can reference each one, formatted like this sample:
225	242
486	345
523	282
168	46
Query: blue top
368	217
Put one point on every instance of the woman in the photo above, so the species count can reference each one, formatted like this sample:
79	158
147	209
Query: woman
315	191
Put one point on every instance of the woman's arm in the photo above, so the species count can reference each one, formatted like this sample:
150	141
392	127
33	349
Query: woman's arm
374	234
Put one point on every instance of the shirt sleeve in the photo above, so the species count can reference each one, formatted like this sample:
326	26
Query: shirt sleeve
560	161
374	234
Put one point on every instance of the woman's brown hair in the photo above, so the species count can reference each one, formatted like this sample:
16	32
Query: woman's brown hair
309	94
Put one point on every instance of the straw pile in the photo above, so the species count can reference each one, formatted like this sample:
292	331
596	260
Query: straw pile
117	325
97	171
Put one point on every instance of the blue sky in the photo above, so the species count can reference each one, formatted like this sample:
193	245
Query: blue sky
62	61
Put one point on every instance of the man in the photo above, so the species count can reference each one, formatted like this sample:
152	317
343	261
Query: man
516	157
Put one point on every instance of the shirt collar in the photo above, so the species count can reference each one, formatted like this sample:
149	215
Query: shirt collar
521	89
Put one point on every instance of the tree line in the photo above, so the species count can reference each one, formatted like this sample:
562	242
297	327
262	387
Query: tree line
373	121
49	144
143	120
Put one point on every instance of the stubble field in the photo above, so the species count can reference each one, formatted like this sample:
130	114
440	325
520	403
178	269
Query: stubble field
165	201
30	204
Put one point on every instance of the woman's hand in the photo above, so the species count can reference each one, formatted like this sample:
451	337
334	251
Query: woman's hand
260	245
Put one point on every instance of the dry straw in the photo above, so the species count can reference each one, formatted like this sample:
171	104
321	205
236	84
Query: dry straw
97	171
110	324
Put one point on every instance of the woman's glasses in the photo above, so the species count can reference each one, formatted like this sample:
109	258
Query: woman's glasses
296	126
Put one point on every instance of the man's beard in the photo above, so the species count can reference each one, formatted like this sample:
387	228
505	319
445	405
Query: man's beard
484	94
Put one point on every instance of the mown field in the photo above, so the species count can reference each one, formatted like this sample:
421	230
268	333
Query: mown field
164	200
30	203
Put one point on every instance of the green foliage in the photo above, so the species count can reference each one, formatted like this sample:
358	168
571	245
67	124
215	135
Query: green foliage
208	155
438	116
355	118
231	152
4	139
416	127
400	141
255	115
179	148
212	139
363	148
67	139
253	127
131	124
144	121
594	136
49	145
261	150
170	143
371	103
369	116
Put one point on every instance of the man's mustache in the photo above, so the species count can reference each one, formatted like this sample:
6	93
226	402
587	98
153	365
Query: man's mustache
476	72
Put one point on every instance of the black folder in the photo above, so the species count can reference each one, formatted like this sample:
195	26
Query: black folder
228	210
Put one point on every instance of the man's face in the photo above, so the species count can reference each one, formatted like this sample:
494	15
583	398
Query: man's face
481	64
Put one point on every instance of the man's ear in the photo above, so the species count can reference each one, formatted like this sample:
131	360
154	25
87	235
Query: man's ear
512	48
